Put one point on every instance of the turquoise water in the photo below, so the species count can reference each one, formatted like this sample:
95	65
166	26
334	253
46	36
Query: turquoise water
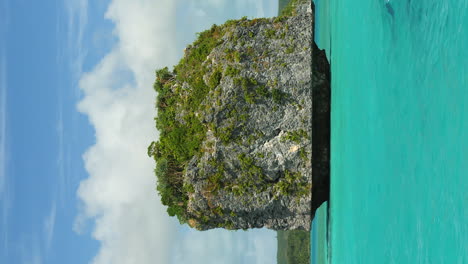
319	233
399	175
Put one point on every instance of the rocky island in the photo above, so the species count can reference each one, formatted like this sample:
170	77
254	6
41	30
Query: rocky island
244	125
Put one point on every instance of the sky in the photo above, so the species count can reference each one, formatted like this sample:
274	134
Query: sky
76	117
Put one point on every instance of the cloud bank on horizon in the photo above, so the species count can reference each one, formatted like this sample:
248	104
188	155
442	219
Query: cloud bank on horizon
119	198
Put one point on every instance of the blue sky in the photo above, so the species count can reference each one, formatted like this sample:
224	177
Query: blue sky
76	108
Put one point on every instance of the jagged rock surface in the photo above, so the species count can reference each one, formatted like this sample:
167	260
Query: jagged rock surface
255	165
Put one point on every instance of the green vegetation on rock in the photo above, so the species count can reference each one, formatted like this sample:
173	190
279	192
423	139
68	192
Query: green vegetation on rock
287	7
231	136
293	247
179	108
295	136
281	5
180	139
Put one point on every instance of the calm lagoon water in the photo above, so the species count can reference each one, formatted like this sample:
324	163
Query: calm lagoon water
399	175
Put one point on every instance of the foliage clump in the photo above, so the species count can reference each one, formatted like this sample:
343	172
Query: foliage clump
293	247
279	96
215	78
295	136
292	183
290	8
181	136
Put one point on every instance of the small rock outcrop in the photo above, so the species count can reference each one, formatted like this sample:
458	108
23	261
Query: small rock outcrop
243	118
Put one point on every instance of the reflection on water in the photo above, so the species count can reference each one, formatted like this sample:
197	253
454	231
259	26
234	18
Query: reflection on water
319	236
320	231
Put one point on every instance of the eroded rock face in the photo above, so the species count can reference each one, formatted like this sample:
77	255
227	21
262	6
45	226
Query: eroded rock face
262	150
255	165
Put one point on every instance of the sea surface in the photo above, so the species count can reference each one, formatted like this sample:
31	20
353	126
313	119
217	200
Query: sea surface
399	143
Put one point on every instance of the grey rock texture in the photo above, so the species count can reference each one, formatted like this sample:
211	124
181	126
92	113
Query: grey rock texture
255	167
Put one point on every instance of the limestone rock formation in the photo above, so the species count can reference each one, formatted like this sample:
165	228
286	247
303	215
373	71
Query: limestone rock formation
252	166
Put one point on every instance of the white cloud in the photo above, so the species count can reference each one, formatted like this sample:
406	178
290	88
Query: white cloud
3	121
77	14
227	247
70	31
30	249
119	196
63	179
5	188
49	226
4	21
